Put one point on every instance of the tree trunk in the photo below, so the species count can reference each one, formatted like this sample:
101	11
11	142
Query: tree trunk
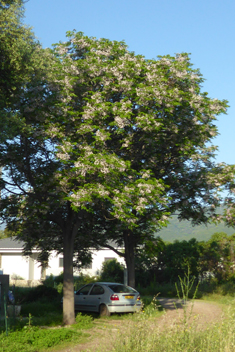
130	257
68	288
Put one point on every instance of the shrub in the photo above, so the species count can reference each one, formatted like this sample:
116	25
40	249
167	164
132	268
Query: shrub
42	293
82	279
20	293
112	271
38	309
49	281
84	321
59	279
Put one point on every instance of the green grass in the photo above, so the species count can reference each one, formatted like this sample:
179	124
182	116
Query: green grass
25	335
147	335
185	335
40	326
37	339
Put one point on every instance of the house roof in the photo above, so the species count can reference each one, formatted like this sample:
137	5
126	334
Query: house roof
11	243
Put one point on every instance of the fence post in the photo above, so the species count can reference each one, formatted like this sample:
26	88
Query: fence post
125	276
1	299
5	311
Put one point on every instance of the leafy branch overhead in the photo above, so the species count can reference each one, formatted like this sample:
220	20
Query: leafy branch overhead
133	131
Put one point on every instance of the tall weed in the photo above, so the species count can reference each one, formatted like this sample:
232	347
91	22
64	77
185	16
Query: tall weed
177	338
181	335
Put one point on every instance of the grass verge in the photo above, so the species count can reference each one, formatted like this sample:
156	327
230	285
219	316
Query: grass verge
182	336
28	337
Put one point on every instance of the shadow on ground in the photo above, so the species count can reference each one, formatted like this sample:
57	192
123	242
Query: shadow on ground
171	303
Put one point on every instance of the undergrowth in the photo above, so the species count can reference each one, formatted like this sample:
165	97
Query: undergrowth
26	336
182	335
36	339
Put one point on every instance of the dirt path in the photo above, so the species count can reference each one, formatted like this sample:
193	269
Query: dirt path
105	333
200	312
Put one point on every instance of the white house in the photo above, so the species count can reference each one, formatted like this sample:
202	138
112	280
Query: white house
15	264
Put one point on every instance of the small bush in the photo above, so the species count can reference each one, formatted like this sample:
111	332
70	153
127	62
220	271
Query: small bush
84	321
164	290
20	293
112	271
82	279
38	309
42	293
59	279
49	281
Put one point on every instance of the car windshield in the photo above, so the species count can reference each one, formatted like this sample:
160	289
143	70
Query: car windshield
122	289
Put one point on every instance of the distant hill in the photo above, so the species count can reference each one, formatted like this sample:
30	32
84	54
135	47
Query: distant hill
183	230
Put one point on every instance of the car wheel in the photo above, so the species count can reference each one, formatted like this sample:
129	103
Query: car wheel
103	310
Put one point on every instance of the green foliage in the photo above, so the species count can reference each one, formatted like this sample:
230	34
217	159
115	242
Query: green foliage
20	293
35	339
209	261
112	271
49	281
217	257
152	308
101	144
2	234
84	321
184	333
42	293
147	262
40	308
83	279
19	56
184	290
177	257
165	262
144	335
154	288
55	282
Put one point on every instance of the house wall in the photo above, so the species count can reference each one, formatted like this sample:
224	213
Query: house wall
54	267
55	263
98	257
14	264
28	268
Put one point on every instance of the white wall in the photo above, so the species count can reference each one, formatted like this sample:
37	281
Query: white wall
18	265
98	258
37	270
30	269
53	265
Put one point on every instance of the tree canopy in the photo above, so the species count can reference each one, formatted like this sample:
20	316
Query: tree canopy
100	143
161	261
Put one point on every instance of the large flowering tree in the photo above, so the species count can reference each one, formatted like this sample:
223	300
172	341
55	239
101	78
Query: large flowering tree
135	134
106	145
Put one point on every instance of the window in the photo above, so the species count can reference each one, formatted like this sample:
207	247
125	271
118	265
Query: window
84	290
121	288
97	290
61	262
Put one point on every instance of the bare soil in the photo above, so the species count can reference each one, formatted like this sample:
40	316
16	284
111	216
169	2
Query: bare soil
106	331
200	313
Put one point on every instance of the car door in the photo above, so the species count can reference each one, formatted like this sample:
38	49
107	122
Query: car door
96	297
81	298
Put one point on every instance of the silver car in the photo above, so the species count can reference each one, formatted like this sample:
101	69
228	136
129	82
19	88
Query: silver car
107	298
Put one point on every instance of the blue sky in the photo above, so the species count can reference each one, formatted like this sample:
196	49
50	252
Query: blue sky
204	28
